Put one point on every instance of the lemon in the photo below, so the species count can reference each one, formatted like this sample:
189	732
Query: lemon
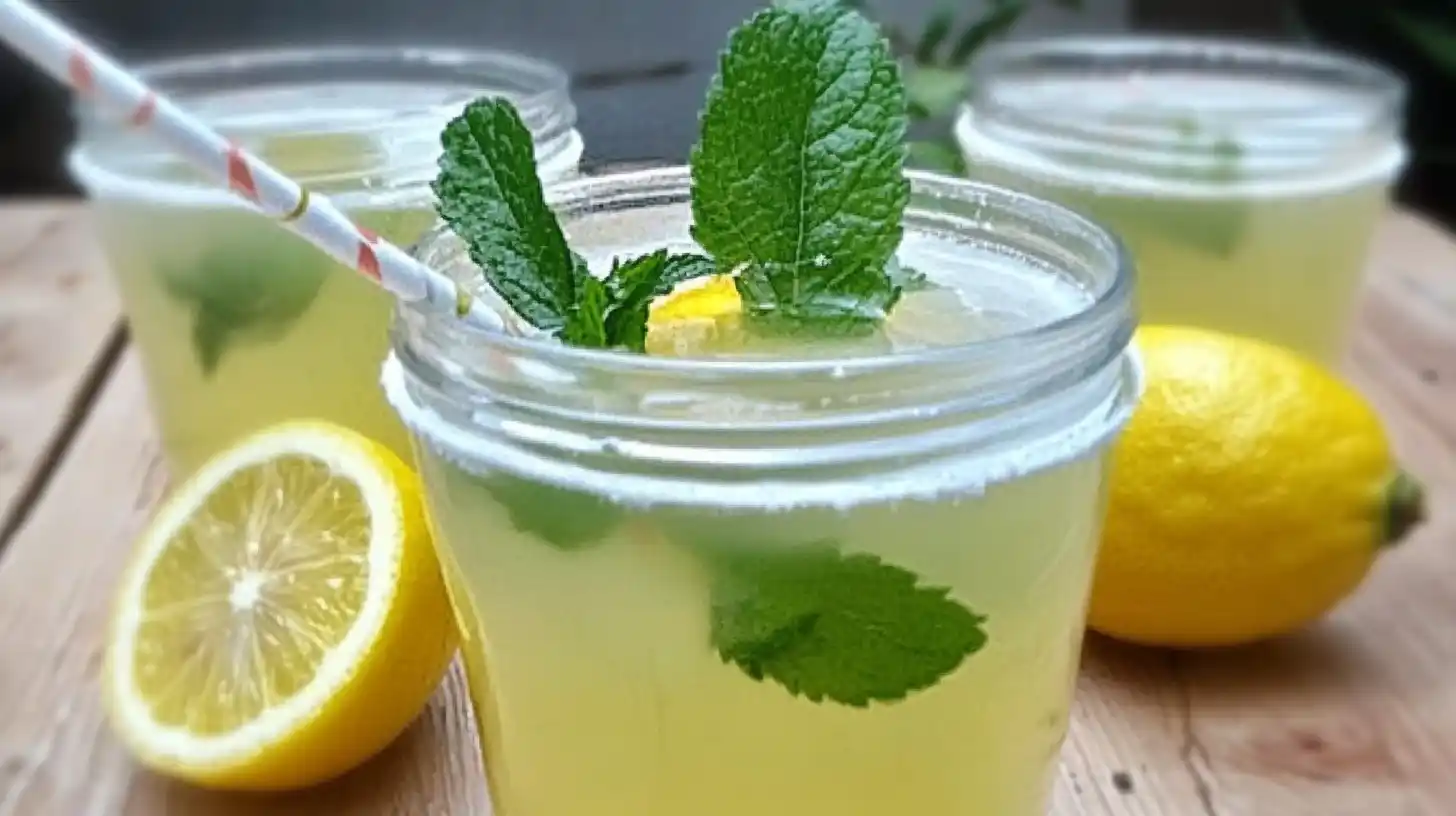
1251	492
700	315
705	316
282	618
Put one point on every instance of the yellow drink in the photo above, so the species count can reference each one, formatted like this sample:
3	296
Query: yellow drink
1246	181
602	518
239	324
322	362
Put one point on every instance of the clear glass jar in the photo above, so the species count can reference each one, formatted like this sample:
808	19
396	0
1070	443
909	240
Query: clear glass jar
1246	179
615	528
239	323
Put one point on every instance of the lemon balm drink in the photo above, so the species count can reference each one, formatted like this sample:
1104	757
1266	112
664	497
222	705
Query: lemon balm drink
240	324
774	584
1247	180
825	547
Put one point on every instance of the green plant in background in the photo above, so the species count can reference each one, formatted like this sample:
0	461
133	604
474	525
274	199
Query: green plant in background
936	64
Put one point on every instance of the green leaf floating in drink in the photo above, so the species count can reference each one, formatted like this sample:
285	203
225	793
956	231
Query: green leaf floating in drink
232	300
1214	224
799	191
566	519
831	626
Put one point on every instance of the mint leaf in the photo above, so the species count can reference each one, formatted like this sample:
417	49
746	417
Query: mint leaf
565	519
585	319
798	177
234	297
1213	225
828	626
634	284
489	194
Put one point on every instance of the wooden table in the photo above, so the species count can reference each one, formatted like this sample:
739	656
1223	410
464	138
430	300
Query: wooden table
1355	718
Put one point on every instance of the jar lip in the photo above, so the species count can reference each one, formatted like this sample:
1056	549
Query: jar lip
1106	309
548	78
1148	53
1334	120
539	89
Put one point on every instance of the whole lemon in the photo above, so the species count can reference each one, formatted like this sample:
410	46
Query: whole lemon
1251	492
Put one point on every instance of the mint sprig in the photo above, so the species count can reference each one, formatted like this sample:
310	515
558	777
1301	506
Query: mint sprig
236	298
798	177
851	629
799	191
634	284
488	191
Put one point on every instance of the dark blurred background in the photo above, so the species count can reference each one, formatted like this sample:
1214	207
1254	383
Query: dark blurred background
640	66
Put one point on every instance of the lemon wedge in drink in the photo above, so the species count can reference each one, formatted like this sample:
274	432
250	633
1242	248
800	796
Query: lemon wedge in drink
701	315
282	618
705	316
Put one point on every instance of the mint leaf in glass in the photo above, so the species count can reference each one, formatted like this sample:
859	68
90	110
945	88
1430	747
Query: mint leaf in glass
847	628
634	284
1211	224
565	519
488	192
236	297
798	176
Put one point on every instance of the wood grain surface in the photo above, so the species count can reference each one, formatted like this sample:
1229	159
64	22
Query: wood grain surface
1356	717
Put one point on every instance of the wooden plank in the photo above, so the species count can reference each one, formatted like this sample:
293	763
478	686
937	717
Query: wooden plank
59	324
1355	717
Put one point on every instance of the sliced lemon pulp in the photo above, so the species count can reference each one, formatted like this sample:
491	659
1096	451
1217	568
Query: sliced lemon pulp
282	617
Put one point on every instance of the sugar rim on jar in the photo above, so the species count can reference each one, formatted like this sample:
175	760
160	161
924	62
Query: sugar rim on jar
653	430
112	160
1301	148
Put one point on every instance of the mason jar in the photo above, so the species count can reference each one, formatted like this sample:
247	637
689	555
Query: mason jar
239	323
779	584
1247	179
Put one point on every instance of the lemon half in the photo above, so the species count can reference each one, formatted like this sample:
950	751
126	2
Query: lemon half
282	618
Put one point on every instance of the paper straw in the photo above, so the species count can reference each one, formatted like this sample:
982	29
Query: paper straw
99	80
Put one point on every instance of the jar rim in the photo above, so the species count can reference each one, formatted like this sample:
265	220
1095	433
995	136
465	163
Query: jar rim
1107	308
539	89
1152	52
790	431
1346	129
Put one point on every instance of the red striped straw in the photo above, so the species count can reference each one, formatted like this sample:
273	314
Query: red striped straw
100	81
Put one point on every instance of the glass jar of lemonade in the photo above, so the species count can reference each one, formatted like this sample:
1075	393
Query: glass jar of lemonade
1246	179
844	579
239	323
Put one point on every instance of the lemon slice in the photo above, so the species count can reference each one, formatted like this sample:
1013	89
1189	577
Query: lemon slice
282	618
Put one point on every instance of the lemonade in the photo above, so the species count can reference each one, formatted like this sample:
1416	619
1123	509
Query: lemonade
239	324
629	540
1247	181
